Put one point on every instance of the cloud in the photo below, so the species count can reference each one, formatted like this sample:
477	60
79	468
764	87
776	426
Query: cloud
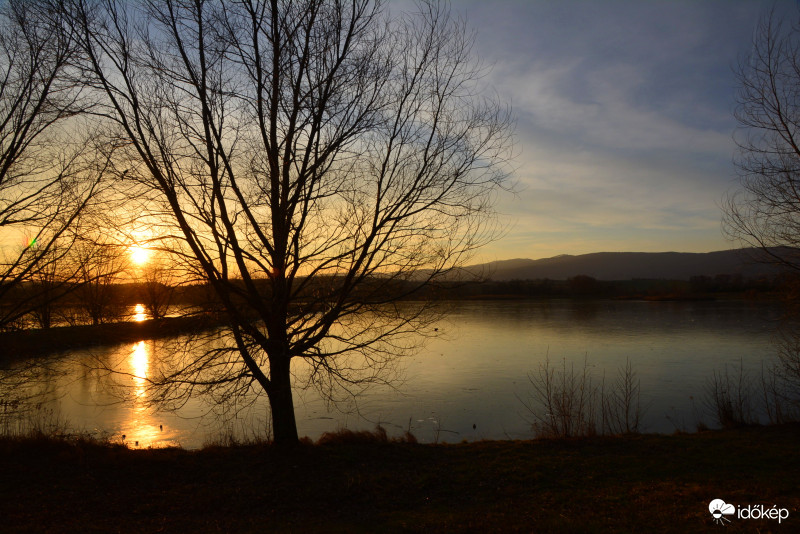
624	118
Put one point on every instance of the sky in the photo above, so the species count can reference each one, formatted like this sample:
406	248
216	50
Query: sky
624	110
624	119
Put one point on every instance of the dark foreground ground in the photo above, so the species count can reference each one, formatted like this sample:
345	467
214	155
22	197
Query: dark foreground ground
641	483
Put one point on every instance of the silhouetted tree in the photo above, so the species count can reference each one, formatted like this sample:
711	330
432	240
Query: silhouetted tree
765	212
99	265
320	161
45	178
46	283
157	287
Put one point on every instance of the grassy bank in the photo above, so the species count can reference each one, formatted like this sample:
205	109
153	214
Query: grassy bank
643	483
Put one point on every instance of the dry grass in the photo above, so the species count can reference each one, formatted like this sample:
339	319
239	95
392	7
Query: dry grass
350	437
365	482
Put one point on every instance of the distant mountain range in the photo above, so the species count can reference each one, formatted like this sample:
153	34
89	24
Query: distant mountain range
627	266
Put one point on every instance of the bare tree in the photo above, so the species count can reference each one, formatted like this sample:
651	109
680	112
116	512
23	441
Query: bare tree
48	285
765	212
99	265
45	180
320	160
157	283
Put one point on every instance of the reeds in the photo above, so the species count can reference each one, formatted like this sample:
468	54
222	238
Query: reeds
729	397
565	402
736	398
621	402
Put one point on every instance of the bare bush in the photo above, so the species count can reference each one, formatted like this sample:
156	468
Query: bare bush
563	401
622	408
729	397
566	403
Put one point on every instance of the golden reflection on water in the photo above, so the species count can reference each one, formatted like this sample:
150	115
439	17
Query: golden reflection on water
140	364
139	314
141	429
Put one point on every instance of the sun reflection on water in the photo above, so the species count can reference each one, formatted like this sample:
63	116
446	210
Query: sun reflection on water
142	429
140	364
139	314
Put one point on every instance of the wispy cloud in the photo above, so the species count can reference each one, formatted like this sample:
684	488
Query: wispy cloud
624	119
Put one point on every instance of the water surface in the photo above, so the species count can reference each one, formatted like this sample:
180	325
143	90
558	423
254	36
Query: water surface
468	383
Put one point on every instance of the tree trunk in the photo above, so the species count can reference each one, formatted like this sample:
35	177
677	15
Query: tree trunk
284	425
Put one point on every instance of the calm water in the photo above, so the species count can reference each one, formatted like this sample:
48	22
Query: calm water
475	373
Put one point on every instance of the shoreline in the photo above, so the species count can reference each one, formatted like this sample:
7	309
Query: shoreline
37	342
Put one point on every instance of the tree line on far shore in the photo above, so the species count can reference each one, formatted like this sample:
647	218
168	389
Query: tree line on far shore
104	301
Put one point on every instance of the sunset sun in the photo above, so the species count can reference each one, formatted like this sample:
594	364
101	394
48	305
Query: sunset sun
139	255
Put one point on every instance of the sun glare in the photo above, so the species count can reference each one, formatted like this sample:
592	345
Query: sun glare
139	255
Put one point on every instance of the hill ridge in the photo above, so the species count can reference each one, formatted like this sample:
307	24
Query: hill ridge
628	265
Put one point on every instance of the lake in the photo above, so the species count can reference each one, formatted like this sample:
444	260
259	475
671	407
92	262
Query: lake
467	384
